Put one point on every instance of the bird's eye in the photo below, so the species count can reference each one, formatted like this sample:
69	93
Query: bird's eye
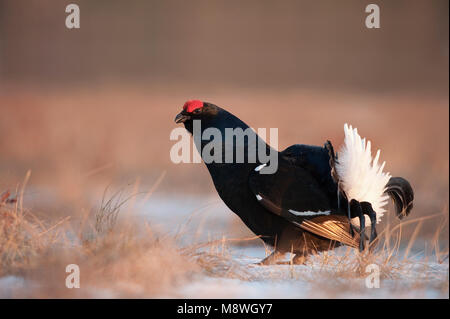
197	111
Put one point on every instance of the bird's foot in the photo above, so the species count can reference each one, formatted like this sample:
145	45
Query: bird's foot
297	260
271	259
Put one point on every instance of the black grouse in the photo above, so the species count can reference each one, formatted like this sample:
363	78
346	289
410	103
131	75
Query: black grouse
315	200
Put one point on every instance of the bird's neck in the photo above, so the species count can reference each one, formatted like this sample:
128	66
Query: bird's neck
219	141
220	134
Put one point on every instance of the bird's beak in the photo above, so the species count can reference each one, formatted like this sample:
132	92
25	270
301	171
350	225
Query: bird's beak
181	118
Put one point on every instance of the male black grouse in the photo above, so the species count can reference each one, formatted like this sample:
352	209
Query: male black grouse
316	199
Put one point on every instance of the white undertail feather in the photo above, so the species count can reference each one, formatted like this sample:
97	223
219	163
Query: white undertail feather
360	175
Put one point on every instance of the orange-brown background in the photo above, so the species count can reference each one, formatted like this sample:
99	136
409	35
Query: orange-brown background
83	108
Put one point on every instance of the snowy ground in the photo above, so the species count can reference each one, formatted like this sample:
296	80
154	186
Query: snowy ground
306	281
199	220
288	287
206	219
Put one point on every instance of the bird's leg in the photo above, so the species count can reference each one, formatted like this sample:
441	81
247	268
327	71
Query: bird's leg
272	258
368	210
299	259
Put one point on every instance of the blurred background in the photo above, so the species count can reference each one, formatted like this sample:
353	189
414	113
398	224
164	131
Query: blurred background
91	107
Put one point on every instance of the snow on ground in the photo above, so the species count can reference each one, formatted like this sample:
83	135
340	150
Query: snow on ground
200	220
206	219
314	280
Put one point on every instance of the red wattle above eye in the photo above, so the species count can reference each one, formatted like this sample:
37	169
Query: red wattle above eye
192	105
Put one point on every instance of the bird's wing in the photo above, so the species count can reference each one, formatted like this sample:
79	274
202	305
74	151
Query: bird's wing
303	192
291	192
334	227
318	161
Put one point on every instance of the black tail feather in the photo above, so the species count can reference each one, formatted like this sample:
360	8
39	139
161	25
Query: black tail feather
402	194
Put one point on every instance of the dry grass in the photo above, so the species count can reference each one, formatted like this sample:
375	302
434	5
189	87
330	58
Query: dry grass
115	260
23	236
123	260
391	252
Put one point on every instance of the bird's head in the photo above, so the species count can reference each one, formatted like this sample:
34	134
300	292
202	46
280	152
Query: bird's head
196	110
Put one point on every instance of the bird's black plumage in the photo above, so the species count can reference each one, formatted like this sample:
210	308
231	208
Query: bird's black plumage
299	208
